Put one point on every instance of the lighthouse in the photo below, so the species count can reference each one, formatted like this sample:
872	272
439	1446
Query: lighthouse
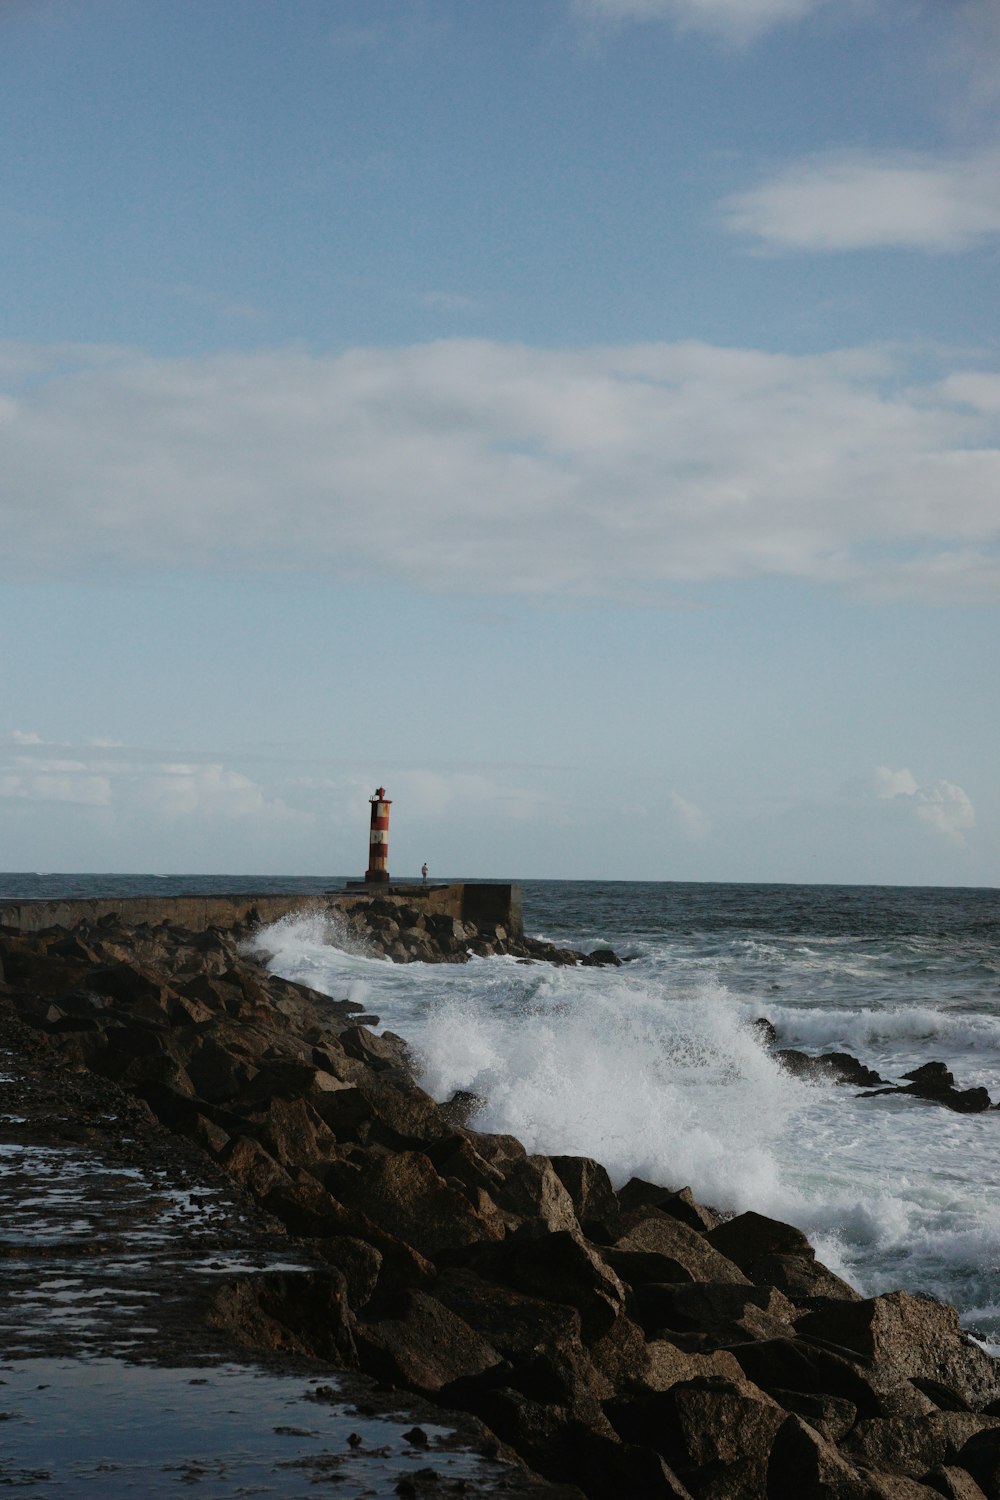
378	840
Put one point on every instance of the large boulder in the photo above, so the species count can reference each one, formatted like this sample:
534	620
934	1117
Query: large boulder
402	1193
902	1446
532	1193
713	1432
561	1268
772	1253
901	1336
803	1465
421	1344
662	1249
714	1313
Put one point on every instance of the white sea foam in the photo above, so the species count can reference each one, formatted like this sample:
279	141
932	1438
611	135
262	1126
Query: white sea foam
655	1070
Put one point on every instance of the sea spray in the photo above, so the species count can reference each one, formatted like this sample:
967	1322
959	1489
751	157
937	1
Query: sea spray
655	1070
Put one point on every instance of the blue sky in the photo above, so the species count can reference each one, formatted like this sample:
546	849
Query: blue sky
580	416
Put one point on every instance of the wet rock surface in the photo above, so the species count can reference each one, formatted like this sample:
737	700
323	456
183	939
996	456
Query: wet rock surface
933	1081
264	1172
401	931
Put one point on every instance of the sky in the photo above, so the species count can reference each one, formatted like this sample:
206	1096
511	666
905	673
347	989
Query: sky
581	417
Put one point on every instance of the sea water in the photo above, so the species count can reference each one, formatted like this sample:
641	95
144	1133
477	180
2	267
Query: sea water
656	1070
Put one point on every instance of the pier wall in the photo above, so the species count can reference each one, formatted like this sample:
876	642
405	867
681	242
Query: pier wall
479	904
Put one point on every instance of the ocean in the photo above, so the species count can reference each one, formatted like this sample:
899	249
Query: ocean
655	1068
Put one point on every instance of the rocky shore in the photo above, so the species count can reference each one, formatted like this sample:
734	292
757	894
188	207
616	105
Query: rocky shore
629	1343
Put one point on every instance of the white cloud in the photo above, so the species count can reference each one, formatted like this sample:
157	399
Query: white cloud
690	818
187	791
732	20
941	805
888	783
948	810
477	467
428	795
53	784
104	774
871	200
26	737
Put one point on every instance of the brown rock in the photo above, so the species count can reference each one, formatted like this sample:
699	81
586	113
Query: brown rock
217	1074
359	1263
953	1483
405	1195
707	1428
456	1156
802	1465
906	1447
422	1345
909	1336
667	1365
534	1193
303	1206
249	1165
663	1249
589	1186
791	1364
515	1324
559	1268
831	1416
717	1312
291	1131
299	1312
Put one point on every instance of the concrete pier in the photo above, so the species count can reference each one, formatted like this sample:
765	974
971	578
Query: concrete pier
483	904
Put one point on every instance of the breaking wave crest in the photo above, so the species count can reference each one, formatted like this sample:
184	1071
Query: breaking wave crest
668	1081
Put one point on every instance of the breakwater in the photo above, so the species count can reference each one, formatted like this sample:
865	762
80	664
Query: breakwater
631	1342
480	904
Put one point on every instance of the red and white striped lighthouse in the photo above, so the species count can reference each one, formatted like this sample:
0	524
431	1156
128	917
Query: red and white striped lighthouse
378	839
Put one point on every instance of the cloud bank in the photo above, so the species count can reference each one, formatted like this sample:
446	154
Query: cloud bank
874	200
479	467
942	806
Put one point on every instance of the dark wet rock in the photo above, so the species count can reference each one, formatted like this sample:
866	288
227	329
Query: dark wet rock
716	1314
932	1079
710	1430
772	1253
602	958
766	1031
589	1186
421	1344
678	1203
459	1109
664	1249
980	1457
903	1336
806	1465
935	1082
298	1312
624	1344
902	1446
791	1364
953	1483
835	1067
